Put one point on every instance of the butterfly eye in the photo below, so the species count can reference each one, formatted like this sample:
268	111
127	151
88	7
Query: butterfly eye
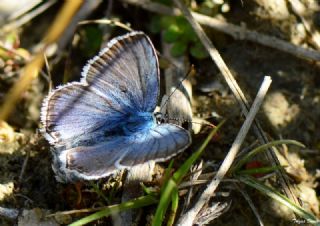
159	118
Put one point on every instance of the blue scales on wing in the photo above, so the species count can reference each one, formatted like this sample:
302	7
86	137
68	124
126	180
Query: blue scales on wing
121	81
159	143
131	73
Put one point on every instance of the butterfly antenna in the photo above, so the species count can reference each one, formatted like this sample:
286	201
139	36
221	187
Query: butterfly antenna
205	124
189	121
184	78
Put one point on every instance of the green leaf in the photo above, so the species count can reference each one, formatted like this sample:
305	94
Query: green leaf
198	51
166	21
181	22
260	170
188	33
172	34
92	39
155	24
174	206
164	202
178	49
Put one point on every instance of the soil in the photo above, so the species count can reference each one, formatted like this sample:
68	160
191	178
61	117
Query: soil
291	111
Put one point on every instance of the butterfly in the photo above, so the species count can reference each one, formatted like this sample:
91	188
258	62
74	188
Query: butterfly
106	122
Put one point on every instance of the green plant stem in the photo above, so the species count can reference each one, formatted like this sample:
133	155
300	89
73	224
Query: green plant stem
261	148
278	197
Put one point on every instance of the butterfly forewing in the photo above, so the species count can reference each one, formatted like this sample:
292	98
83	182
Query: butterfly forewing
123	79
131	71
73	111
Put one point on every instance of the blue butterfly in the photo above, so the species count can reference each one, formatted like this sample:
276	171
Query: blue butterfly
106	122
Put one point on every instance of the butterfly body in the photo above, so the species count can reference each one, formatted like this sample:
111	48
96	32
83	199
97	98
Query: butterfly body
140	121
106	121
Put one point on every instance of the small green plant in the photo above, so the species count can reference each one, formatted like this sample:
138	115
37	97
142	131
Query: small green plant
274	194
248	157
178	32
245	176
91	40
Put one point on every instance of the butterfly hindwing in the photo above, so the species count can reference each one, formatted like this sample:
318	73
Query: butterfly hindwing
160	143
92	162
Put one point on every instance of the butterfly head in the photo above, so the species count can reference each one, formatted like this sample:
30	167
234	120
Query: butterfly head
159	118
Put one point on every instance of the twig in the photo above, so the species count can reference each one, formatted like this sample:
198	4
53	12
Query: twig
69	212
213	211
235	31
188	218
241	99
107	12
49	77
193	178
24	166
106	21
132	189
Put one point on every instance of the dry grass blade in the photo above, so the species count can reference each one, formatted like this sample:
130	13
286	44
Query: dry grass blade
249	201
